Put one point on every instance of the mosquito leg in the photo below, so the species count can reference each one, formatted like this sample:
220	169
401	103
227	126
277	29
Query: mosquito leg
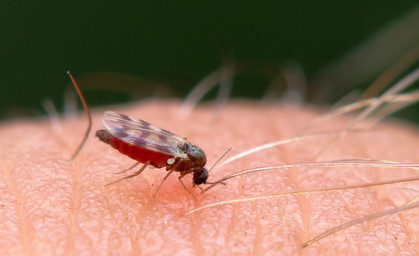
129	176
183	184
133	166
202	191
164	179
172	169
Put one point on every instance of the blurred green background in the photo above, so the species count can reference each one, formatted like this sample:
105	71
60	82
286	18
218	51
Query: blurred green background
147	48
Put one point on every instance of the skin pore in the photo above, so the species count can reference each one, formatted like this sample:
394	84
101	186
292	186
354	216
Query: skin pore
52	205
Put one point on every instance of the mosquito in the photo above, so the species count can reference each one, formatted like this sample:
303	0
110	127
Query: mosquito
149	145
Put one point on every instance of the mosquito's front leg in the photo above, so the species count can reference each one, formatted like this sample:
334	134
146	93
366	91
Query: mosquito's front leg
183	184
171	169
161	183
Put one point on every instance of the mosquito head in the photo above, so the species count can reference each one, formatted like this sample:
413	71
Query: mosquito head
200	177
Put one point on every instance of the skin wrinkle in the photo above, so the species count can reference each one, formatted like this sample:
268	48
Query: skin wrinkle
375	176
233	223
27	181
121	220
23	224
403	226
294	179
81	197
408	231
258	236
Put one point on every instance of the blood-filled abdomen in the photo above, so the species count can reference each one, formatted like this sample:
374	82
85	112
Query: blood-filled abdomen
140	154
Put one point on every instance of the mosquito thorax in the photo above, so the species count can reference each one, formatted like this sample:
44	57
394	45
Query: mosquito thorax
195	154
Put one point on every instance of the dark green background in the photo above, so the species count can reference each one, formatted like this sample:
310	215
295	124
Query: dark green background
178	42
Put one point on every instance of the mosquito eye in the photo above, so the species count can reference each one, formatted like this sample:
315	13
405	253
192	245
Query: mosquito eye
200	177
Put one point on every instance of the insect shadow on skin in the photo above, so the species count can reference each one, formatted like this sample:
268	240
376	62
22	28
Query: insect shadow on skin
149	145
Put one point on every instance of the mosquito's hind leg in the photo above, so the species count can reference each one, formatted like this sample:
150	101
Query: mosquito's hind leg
133	166
132	175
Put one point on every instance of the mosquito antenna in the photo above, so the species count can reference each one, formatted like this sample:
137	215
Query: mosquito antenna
219	159
212	167
89	116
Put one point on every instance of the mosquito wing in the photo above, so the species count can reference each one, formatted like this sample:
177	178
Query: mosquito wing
142	134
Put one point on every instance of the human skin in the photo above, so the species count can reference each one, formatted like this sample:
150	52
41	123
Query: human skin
50	205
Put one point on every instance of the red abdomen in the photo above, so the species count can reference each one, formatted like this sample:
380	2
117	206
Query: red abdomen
140	154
